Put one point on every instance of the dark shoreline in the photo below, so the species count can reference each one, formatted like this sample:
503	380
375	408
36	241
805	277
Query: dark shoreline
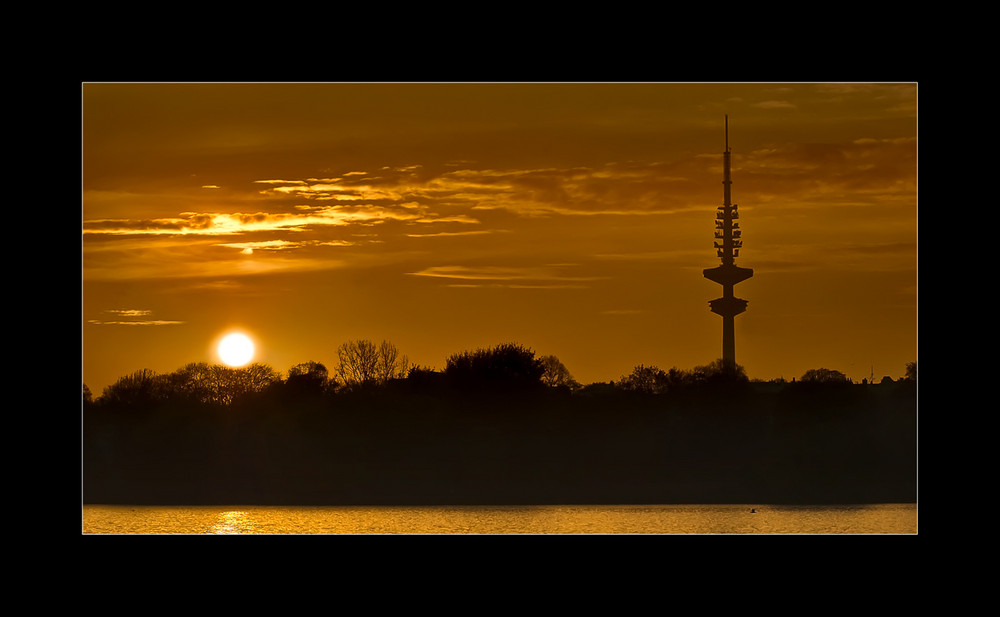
757	445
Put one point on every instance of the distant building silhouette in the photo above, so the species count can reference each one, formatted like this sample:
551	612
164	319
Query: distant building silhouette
727	230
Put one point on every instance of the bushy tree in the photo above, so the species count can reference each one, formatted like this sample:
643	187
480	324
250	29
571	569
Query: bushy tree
717	371
193	382
653	380
425	378
200	382
255	378
143	387
824	376
307	378
227	385
556	375
508	366
645	380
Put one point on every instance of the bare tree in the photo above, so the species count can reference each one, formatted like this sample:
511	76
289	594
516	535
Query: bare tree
357	362
390	364
362	362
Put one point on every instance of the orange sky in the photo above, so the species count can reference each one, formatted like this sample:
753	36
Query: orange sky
574	219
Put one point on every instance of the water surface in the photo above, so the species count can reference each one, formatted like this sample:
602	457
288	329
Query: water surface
424	520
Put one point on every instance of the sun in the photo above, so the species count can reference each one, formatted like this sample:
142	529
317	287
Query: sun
235	349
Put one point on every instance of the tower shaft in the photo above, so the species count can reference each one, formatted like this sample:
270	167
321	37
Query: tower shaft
728	274
729	341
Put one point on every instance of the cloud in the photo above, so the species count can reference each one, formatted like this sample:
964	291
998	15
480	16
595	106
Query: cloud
216	224
670	255
512	277
853	256
610	189
410	195
133	227
129	312
775	105
295	218
270	245
281	245
449	234
299	214
162	261
863	172
151	322
129	317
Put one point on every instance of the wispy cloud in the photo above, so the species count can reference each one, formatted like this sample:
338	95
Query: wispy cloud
514	277
772	104
448	234
304	218
614	188
131	317
248	248
297	219
411	195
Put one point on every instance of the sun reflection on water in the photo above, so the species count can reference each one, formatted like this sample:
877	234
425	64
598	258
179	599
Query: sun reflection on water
602	519
233	522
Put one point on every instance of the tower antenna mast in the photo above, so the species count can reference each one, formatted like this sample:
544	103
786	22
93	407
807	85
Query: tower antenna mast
728	242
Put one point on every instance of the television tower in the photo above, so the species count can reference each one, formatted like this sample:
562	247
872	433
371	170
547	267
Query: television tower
727	230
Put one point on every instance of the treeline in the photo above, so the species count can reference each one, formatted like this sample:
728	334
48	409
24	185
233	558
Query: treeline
365	365
495	426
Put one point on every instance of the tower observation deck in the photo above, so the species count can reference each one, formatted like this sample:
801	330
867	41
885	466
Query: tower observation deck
728	242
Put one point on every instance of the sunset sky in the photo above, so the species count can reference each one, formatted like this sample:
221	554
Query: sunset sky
572	218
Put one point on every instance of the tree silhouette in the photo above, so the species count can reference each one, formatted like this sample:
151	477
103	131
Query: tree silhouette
307	378
193	382
201	382
364	363
389	363
824	376
139	388
228	385
555	374
214	434
653	380
718	371
645	380
505	367
357	362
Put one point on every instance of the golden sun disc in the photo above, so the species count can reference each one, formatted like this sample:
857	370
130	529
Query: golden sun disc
235	349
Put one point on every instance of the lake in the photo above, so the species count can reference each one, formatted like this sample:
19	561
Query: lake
736	519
